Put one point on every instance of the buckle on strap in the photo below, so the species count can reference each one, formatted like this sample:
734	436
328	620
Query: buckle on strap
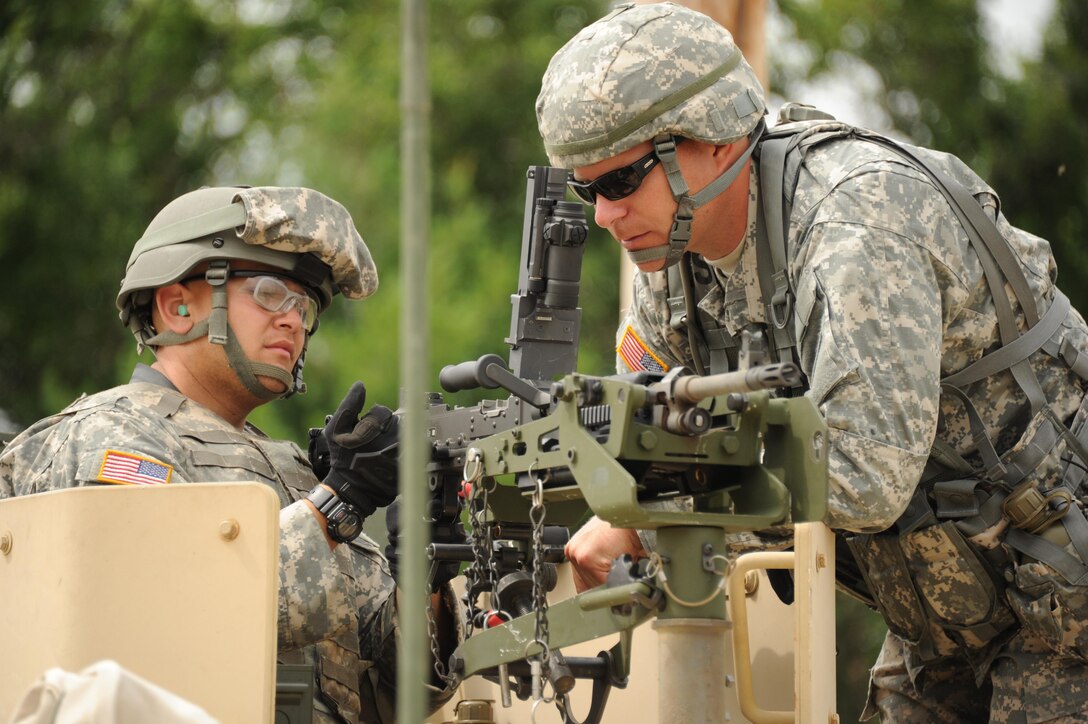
665	145
780	309
681	229
1028	509
218	273
216	276
678	313
665	148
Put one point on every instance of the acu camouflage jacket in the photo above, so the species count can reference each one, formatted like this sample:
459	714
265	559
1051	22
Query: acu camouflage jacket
889	299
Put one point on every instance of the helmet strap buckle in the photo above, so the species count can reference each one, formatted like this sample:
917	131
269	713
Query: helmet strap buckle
218	272
665	148
216	276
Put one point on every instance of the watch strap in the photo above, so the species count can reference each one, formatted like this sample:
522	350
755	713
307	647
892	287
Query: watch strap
337	512
323	499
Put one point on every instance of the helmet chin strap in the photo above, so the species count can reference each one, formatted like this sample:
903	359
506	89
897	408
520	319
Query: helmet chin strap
247	371
680	233
218	329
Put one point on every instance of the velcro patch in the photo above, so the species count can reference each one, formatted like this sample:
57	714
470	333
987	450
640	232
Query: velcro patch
636	355
122	468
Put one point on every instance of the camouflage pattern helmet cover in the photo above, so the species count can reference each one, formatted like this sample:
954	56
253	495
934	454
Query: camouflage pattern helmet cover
303	232
641	71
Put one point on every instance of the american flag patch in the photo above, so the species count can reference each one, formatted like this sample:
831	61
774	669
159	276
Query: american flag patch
128	469
637	355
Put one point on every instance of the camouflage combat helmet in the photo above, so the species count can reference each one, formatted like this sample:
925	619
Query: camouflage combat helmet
651	72
303	234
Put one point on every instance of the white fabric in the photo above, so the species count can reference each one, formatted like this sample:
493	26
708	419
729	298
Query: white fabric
103	693
728	262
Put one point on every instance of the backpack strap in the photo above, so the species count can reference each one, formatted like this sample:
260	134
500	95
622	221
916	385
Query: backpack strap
771	264
779	155
713	349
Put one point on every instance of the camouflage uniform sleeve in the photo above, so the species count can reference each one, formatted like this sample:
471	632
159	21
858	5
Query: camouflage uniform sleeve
316	600
375	598
57	454
68	451
869	315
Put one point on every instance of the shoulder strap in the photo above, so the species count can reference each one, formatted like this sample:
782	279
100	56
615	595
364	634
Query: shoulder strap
689	281
779	156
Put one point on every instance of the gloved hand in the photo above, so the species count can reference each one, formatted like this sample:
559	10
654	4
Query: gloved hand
318	450
439	572
362	452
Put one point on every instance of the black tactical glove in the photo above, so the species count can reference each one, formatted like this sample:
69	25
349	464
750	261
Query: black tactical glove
362	452
318	450
439	572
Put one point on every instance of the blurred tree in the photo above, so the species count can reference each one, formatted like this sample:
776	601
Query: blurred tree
486	61
143	101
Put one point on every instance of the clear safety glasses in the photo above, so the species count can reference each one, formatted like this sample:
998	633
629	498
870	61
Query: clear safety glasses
272	294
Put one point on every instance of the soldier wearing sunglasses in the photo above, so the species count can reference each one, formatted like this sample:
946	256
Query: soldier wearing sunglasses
948	365
226	287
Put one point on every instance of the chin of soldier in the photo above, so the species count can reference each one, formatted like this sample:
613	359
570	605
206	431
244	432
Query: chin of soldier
651	266
272	385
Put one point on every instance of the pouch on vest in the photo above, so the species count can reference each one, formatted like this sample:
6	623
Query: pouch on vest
933	574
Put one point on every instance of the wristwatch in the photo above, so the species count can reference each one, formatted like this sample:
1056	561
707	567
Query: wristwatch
344	522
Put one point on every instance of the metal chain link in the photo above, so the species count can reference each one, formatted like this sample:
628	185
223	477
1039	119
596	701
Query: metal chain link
474	572
481	549
483	567
491	558
436	650
540	597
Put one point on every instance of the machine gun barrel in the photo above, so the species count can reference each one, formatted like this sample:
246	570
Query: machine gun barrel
679	392
692	389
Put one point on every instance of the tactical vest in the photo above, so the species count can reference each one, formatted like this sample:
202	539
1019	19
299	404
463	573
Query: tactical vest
339	695
951	532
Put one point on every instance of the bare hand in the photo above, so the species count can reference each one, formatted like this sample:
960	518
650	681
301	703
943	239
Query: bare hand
593	548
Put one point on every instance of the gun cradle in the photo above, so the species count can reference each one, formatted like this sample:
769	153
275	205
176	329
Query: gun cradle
762	465
758	467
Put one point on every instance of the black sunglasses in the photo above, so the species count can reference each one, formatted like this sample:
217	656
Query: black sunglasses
616	184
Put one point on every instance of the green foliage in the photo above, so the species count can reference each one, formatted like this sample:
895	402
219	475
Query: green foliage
112	108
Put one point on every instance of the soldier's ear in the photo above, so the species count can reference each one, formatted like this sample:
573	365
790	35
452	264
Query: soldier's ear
171	308
725	154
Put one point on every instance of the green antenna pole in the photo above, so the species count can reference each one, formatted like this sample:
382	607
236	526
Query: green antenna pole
415	217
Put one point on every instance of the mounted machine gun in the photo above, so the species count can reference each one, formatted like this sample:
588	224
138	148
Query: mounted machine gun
692	458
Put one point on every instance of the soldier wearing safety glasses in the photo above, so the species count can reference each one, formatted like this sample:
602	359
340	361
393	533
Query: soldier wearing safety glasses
225	287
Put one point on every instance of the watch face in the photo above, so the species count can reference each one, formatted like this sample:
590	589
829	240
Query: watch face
344	523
